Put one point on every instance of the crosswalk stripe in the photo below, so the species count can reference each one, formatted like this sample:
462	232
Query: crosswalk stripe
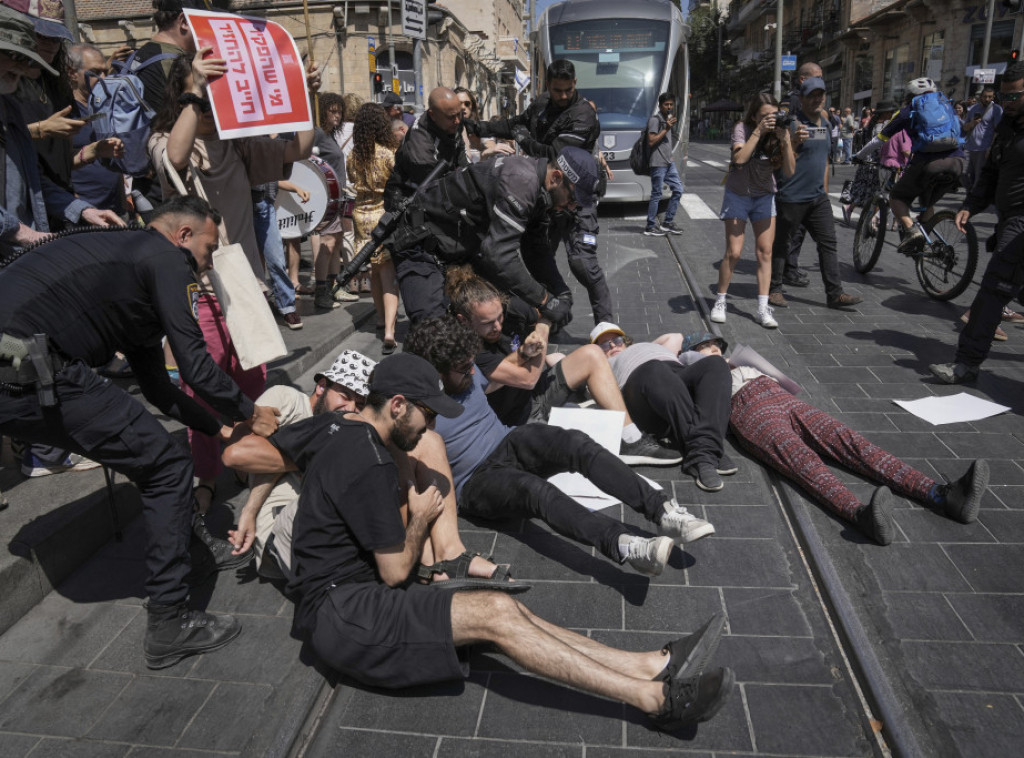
696	208
716	164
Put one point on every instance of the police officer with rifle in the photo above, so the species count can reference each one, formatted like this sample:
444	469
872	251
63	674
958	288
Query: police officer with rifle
70	303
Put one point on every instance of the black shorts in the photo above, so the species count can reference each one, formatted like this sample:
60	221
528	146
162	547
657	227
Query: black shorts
551	391
388	637
919	180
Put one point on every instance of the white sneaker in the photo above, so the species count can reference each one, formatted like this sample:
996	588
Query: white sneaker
718	312
648	555
682	526
765	318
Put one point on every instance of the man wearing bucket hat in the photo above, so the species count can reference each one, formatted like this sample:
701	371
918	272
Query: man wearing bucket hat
687	404
267	518
354	555
491	214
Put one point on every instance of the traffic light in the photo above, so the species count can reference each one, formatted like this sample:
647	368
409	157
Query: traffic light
378	82
1014	55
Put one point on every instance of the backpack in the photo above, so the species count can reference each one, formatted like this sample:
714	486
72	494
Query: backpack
123	113
640	156
934	124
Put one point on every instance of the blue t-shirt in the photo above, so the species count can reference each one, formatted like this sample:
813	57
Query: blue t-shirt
981	136
808	181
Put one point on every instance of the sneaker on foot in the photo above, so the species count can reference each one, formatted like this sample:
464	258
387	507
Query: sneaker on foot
648	555
342	295
1011	316
726	465
654	231
687	656
913	242
777	300
292	320
875	518
219	550
32	466
670	228
960	499
682	526
177	632
766	319
954	373
706	477
647	452
844	301
693	700
718	312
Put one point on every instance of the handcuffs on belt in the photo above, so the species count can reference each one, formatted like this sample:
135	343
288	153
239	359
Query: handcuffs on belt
39	369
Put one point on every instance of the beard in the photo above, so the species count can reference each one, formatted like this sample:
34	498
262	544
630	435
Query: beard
405	436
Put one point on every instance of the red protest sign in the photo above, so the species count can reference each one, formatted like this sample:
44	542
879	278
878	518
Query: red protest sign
264	89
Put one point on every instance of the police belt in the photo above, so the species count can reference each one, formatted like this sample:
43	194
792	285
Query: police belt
27	363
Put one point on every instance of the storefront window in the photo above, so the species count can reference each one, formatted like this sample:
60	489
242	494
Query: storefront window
931	56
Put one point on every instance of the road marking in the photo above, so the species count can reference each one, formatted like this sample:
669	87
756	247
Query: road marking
716	164
696	208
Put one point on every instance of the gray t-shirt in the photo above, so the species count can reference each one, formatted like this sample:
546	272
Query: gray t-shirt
753	178
661	153
636	355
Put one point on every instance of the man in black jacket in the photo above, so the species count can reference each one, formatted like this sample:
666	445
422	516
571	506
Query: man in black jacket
485	214
1001	182
559	118
69	304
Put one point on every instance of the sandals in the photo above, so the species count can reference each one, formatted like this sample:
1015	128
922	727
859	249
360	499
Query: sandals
388	347
457	570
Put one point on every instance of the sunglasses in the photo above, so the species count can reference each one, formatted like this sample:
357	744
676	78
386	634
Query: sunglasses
1010	97
613	342
428	414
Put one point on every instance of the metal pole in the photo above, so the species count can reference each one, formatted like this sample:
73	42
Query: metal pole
778	52
391	48
1020	45
988	33
71	20
312	60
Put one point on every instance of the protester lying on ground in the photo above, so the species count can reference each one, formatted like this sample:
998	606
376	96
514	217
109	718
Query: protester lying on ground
522	388
789	435
687	404
266	521
354	556
502	473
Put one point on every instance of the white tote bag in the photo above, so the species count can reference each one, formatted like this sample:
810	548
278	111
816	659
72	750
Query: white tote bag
254	332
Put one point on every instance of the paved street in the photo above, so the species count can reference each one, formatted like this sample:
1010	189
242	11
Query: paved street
840	647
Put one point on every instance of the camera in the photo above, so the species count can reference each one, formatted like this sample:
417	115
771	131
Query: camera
784	119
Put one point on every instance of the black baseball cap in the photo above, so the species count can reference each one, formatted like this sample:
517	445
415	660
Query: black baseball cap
391	99
415	379
580	168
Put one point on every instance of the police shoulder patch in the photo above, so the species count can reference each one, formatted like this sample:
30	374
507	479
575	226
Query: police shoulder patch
192	292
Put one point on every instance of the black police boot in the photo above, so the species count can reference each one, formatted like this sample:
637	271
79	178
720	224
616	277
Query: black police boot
322	298
174	632
205	548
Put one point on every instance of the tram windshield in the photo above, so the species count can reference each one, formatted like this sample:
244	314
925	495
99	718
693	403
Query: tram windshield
619	65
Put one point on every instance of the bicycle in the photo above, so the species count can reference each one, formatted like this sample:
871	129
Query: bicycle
946	262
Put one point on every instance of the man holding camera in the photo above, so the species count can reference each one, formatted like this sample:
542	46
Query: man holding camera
803	199
663	169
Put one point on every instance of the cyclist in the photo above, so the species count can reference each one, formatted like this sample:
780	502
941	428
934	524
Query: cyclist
937	161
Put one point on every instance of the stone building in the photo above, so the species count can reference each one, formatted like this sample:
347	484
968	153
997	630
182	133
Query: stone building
480	46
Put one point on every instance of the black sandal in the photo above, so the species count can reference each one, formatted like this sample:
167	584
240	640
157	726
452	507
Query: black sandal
457	570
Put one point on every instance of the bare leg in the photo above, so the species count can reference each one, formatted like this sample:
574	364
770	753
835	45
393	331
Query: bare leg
764	231
389	295
495	617
293	254
587	365
377	293
901	211
734	237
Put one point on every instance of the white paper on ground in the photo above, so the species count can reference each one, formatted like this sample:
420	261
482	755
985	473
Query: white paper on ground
606	428
742	355
952	408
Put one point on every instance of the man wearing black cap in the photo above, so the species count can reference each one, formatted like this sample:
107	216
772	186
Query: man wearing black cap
561	117
353	554
173	38
484	214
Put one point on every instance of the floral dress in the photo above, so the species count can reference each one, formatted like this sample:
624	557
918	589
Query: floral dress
369	182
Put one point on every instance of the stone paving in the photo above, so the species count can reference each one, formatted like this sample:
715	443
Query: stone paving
831	638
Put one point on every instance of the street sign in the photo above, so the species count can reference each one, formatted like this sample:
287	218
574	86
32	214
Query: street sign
396	86
373	54
414	19
789	63
984	76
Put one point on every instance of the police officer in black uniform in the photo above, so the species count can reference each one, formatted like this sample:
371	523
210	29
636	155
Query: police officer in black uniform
560	118
488	214
436	136
69	304
1001	182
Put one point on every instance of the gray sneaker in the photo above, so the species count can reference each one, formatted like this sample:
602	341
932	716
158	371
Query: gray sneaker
682	526
954	373
654	231
706	476
670	228
648	555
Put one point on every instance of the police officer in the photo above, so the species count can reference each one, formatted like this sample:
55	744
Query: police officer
68	304
1001	182
560	118
486	214
436	136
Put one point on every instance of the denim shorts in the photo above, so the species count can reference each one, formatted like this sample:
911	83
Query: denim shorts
746	208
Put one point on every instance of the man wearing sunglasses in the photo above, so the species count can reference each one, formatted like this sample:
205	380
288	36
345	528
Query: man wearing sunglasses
1001	182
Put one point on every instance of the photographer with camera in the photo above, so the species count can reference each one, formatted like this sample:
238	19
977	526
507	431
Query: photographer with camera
761	144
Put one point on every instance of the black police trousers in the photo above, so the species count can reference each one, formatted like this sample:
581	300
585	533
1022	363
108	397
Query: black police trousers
1003	279
95	418
421	284
581	249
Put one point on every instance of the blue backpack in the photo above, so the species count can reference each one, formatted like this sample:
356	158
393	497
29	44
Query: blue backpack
934	125
124	114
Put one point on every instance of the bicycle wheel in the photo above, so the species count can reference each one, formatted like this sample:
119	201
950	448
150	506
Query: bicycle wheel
870	235
946	267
